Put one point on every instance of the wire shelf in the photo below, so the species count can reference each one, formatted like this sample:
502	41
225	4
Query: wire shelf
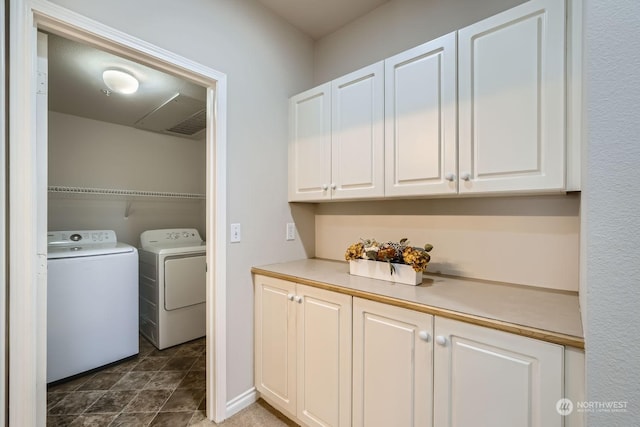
122	192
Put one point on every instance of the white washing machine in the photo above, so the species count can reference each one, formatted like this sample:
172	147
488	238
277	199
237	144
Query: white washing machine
92	301
173	274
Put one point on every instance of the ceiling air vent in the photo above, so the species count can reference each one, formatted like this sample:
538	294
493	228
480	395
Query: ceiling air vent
180	115
191	125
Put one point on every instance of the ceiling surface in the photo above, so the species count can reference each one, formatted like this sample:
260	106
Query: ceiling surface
317	18
76	86
75	70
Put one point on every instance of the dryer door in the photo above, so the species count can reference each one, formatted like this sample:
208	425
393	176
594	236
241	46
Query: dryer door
184	281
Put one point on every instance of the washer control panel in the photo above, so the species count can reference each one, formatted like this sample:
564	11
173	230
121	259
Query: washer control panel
58	238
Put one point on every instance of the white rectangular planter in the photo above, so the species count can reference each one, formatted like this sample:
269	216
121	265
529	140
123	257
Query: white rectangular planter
380	270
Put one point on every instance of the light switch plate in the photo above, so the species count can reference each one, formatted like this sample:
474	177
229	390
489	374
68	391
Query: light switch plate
291	231
235	233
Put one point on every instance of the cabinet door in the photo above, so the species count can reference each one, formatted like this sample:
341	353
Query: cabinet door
512	100
392	366
310	144
275	342
485	377
357	134
324	357
420	120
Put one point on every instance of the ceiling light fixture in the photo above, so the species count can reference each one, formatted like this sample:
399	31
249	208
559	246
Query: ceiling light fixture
120	82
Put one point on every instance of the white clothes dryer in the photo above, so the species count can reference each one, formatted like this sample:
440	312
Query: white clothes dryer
172	281
92	301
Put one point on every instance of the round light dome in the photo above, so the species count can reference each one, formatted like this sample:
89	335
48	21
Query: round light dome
120	82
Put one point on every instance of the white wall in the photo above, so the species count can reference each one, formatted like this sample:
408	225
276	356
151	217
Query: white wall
611	208
394	27
266	61
90	153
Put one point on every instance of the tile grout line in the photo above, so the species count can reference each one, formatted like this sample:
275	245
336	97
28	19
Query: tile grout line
196	352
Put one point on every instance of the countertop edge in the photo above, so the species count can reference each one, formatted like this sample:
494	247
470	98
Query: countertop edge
526	331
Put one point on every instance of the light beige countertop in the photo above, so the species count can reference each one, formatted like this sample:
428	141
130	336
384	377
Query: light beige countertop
548	315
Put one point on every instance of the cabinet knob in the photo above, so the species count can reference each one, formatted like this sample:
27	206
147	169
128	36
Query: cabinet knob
441	340
290	297
424	336
450	177
466	176
333	186
325	187
297	299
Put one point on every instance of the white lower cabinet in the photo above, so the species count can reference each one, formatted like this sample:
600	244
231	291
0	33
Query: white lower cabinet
326	359
392	366
303	351
484	377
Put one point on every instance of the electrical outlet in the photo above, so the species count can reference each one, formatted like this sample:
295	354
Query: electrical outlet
235	233
291	231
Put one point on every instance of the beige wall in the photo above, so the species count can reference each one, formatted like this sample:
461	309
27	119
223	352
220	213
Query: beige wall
524	240
394	27
90	153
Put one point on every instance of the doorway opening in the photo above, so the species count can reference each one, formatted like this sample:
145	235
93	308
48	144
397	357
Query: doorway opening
28	195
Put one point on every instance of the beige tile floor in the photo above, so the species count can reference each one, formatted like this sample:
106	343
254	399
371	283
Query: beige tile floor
156	388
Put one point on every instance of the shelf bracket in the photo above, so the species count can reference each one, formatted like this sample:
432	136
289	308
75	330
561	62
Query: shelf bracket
127	209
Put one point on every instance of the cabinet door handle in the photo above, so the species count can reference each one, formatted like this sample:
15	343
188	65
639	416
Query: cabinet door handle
290	297
466	176
441	340
424	336
325	187
450	177
333	186
298	299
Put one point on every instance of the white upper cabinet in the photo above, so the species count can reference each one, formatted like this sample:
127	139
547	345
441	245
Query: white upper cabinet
357	134
310	144
492	108
336	147
420	120
511	83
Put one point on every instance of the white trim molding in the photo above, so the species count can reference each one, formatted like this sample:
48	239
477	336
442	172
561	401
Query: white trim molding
24	382
27	379
242	401
3	226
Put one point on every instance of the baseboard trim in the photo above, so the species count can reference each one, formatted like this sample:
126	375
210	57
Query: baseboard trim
240	402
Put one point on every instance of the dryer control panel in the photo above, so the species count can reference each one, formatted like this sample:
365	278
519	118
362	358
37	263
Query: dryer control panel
181	236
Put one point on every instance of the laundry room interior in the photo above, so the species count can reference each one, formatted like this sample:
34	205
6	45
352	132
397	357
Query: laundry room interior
122	166
88	151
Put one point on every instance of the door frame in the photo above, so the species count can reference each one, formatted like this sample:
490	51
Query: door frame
27	260
3	223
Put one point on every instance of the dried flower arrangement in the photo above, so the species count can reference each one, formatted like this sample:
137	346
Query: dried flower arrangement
391	252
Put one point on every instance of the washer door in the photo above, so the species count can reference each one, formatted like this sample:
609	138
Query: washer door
184	281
